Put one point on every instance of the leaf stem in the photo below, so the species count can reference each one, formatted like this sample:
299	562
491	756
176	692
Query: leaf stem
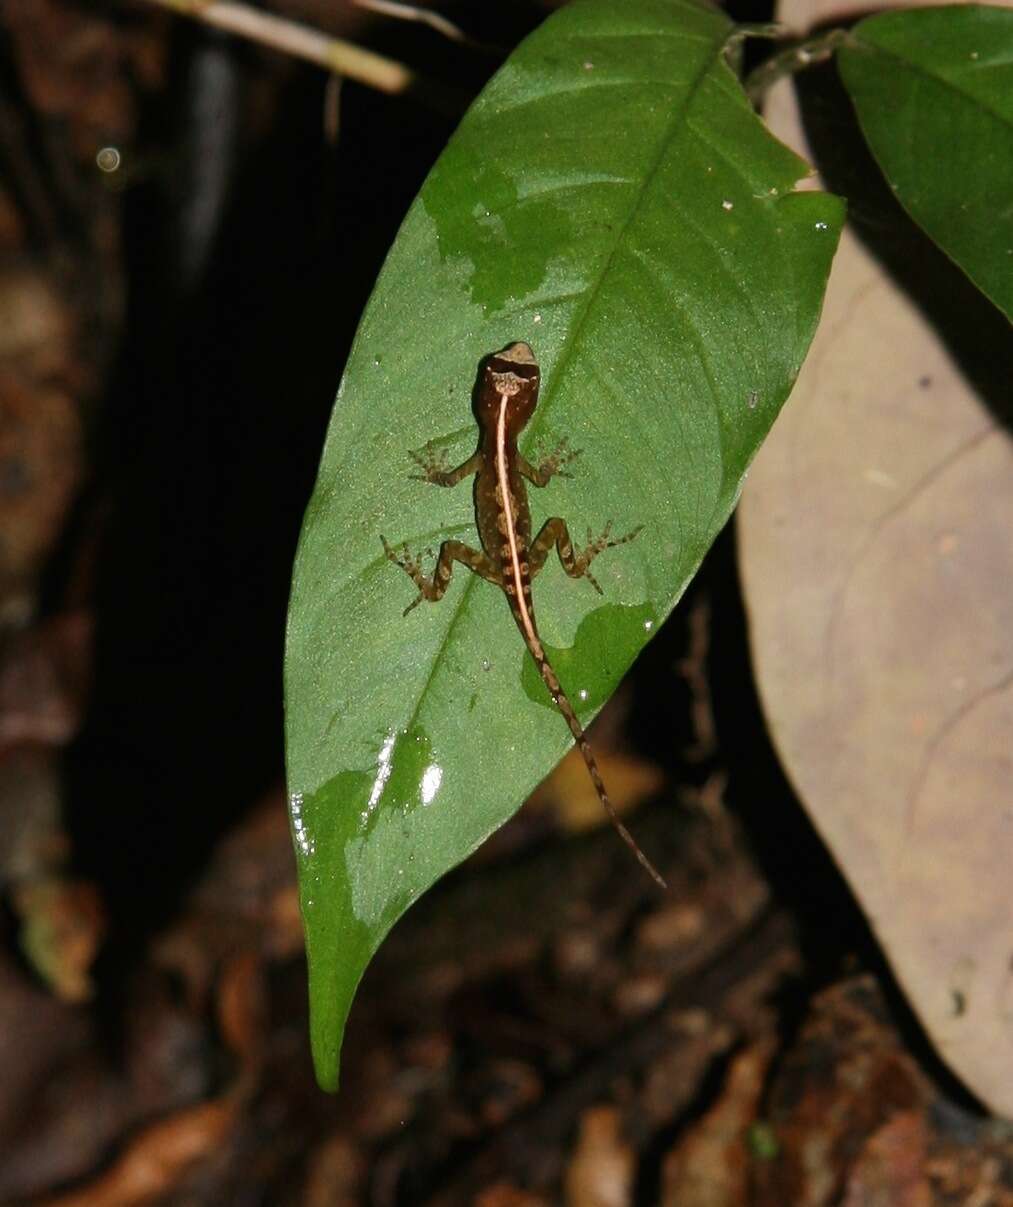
793	59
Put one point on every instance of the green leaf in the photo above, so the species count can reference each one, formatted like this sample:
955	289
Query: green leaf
933	89
611	199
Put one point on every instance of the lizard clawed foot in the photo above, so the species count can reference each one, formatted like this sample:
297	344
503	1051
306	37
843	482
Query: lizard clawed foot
552	465
596	545
409	563
631	535
606	539
434	463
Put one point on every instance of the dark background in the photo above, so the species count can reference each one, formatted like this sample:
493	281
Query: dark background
541	1020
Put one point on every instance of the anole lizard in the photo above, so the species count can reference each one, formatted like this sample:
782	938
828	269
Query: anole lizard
504	402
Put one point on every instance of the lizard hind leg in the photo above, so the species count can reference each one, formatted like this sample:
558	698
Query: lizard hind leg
433	589
575	562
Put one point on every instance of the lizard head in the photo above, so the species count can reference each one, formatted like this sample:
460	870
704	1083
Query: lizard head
510	374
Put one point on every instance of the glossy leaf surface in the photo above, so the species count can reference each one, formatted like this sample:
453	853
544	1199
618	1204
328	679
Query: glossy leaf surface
933	89
611	199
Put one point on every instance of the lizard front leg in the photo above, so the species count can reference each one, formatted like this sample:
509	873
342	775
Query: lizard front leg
433	463
434	588
550	466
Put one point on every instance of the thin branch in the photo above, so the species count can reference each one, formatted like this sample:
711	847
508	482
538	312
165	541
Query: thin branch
794	59
333	54
412	12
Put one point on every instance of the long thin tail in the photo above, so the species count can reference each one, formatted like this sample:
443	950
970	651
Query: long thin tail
551	681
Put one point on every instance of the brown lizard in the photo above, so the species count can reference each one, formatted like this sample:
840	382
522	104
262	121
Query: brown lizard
505	400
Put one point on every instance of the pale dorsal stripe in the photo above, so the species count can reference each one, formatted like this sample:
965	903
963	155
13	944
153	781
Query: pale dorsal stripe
511	533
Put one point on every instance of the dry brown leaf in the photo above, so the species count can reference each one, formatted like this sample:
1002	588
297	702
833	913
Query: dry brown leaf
62	926
156	1159
336	1174
710	1167
242	1008
877	560
601	1172
890	1171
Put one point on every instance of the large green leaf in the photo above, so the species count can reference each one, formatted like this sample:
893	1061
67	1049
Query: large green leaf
613	200
933	89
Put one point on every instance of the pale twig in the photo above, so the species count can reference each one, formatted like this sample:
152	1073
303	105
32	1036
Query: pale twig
333	54
412	12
